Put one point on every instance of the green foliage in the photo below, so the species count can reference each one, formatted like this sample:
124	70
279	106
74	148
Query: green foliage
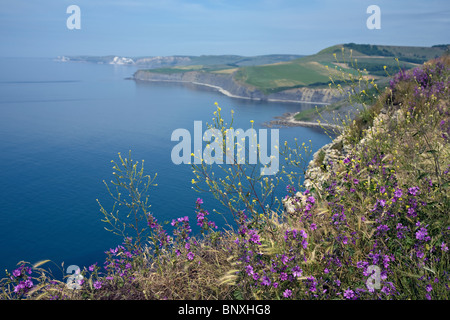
272	78
275	73
369	49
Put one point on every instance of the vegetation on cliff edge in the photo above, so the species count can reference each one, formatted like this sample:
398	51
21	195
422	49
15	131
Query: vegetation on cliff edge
376	226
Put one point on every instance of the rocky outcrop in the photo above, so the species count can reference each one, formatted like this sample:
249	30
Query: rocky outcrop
122	61
333	152
222	82
226	84
316	95
337	150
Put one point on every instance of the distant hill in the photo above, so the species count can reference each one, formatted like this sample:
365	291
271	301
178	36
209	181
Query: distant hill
314	70
280	76
215	61
276	73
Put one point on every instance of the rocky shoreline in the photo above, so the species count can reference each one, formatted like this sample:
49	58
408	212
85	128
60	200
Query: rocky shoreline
227	85
288	120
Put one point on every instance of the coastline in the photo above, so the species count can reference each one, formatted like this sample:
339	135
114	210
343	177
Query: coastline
288	120
229	94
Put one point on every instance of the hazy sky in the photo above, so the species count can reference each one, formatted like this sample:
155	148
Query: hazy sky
245	27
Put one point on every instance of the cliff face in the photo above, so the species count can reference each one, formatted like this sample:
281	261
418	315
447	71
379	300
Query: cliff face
338	149
226	84
317	95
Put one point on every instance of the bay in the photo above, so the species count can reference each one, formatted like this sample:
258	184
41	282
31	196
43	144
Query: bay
62	123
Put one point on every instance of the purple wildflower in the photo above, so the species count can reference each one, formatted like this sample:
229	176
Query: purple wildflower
254	237
383	228
311	200
413	191
361	264
266	281
422	234
386	290
19	287
97	284
287	293
398	192
28	283
303	233
349	294
313	283
297	272
249	270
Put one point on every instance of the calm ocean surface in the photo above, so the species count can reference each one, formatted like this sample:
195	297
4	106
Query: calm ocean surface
61	124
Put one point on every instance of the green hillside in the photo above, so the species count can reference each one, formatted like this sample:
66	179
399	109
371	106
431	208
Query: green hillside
280	72
314	70
271	78
238	61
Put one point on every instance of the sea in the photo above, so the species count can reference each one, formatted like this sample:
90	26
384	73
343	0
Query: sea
61	124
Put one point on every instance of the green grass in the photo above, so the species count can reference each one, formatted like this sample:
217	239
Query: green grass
182	69
271	77
313	114
168	70
282	72
309	70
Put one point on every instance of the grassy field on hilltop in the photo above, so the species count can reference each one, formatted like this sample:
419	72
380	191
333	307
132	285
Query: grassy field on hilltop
280	72
315	69
283	75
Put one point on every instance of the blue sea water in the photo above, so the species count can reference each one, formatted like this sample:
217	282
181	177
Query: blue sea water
62	123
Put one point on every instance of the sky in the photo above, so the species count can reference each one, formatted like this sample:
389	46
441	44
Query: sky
38	28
